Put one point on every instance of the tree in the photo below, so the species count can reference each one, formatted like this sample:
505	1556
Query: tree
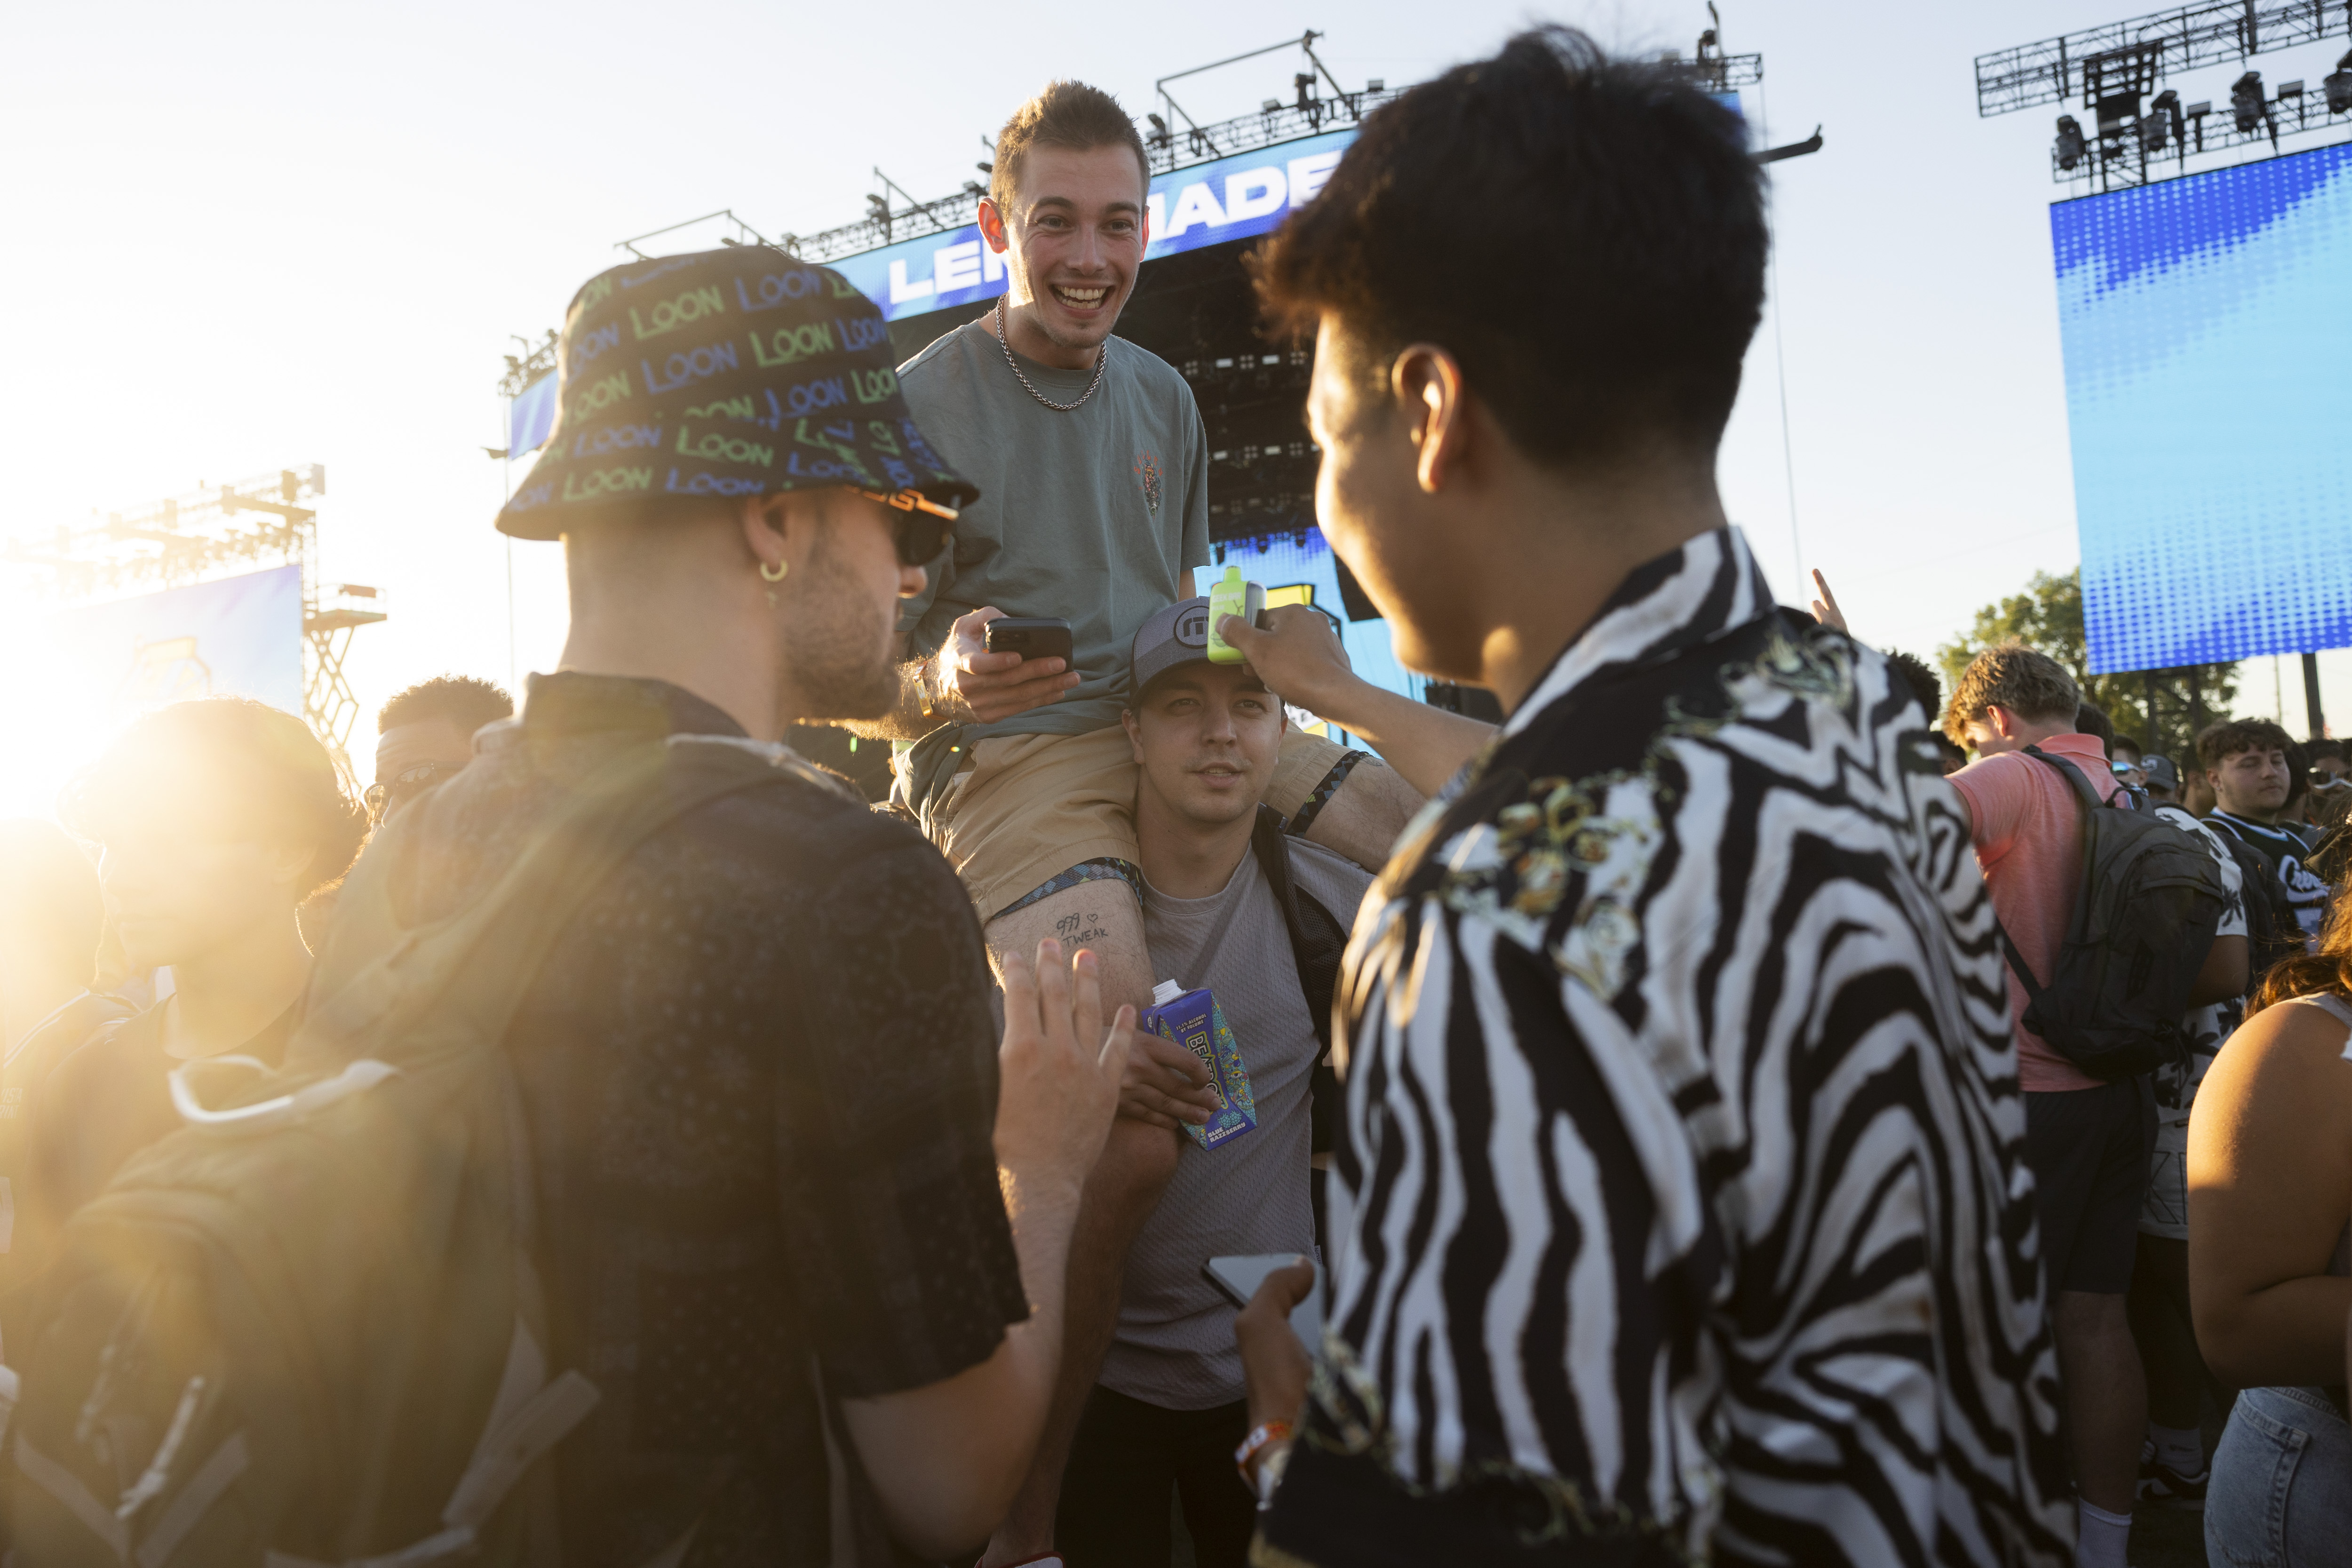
2048	618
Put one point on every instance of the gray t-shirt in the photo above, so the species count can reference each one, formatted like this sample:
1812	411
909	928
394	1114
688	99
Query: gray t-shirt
1174	1346
1093	515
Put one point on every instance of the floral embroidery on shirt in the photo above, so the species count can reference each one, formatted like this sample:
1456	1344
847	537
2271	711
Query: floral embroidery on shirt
1146	468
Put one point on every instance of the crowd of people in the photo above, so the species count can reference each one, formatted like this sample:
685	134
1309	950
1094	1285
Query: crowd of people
1746	1107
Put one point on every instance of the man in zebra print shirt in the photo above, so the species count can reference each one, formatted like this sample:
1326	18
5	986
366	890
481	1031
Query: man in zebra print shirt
1680	1211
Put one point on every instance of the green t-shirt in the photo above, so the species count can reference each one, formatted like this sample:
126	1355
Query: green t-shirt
1093	515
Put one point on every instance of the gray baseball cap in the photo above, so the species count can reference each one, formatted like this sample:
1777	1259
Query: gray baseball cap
1177	635
2158	769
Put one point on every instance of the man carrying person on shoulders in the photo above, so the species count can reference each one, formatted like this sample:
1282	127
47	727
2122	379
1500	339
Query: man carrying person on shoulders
1258	916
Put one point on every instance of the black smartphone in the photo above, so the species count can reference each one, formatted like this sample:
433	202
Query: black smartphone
1030	637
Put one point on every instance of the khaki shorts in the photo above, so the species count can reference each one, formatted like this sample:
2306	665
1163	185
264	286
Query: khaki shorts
1026	808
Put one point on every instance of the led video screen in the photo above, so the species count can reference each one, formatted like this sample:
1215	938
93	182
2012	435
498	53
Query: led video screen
2207	327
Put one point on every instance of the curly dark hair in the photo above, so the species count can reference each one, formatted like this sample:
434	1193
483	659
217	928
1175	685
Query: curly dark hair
1923	682
465	701
1585	235
257	768
2216	744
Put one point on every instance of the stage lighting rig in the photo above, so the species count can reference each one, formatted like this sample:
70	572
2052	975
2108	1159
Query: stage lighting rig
2113	69
185	539
2072	148
2247	106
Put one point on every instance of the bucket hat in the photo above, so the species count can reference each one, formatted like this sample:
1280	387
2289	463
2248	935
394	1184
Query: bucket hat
734	372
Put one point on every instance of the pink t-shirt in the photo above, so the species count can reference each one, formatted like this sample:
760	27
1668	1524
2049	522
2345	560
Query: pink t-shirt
2028	839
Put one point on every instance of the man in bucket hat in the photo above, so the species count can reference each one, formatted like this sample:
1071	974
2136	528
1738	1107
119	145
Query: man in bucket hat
759	1072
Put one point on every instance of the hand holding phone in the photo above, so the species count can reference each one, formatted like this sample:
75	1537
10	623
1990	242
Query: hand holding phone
974	680
1030	637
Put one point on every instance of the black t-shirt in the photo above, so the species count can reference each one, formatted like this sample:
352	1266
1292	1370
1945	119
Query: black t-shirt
759	1074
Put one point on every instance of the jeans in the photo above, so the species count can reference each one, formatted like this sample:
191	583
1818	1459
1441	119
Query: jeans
1127	1461
2281	1490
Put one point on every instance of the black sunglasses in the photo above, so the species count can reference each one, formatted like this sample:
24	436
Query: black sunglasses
922	525
379	798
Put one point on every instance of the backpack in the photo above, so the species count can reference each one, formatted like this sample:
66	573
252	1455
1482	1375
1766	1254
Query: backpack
306	1329
2145	917
2271	931
1318	940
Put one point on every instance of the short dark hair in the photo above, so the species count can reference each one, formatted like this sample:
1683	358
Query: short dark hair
1064	114
2090	718
266	768
465	701
1921	680
2323	746
2218	742
49	891
1584	234
2122	742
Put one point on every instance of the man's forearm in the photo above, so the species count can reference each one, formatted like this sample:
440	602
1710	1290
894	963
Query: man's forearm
947	1458
1119	1198
1425	745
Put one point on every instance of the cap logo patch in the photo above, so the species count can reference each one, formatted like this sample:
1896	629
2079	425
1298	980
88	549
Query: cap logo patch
1192	628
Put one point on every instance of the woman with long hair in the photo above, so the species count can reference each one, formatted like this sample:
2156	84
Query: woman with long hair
2270	1260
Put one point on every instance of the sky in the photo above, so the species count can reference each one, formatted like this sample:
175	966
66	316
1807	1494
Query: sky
244	236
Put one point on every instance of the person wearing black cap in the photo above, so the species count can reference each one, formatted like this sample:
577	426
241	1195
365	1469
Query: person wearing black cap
759	1068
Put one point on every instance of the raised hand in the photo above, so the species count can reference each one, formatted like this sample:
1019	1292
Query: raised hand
1825	609
1058	1069
1297	654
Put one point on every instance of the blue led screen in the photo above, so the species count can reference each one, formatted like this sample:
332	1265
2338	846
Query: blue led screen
2207	327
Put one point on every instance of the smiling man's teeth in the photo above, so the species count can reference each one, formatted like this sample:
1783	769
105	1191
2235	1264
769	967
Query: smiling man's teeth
1080	296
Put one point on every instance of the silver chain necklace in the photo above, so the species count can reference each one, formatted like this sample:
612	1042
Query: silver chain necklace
1005	342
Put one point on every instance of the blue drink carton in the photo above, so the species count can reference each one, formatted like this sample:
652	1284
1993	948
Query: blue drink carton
1194	1021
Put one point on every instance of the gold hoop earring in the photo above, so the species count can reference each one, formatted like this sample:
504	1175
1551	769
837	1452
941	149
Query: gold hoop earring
778	575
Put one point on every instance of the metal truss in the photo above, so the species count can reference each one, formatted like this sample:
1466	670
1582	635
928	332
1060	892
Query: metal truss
2183	38
180	540
1166	149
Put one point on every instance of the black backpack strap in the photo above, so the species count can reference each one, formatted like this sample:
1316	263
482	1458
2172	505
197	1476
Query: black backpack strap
488	951
2090	801
1318	941
2073	775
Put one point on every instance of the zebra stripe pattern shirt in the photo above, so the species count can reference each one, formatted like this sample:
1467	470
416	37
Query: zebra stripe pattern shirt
1681	1211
